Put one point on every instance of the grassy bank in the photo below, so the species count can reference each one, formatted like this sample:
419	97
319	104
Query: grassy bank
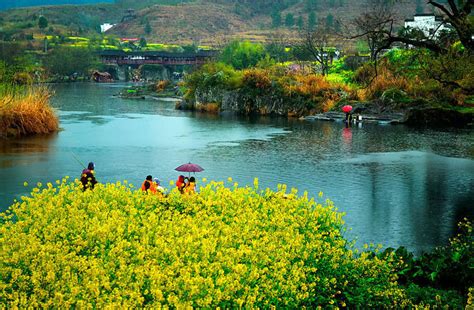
26	111
225	247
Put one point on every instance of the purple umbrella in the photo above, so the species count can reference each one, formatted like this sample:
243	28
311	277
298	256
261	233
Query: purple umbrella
189	168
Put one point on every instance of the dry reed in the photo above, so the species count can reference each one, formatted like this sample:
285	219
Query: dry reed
26	112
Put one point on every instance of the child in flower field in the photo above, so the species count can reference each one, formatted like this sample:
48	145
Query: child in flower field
160	189
88	179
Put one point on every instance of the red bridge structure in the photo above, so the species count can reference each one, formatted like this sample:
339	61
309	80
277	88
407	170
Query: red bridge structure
138	58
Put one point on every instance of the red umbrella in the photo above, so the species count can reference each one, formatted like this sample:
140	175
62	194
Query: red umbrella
189	168
346	108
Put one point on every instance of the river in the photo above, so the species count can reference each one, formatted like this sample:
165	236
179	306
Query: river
397	185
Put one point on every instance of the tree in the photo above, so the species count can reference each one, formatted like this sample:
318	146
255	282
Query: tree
312	20
66	61
289	20
378	24
312	5
276	19
242	55
147	28
329	21
142	43
42	22
316	45
300	22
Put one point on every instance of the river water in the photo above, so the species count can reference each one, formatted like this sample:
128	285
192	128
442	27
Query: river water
397	185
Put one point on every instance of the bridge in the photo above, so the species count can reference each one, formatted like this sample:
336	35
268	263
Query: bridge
138	58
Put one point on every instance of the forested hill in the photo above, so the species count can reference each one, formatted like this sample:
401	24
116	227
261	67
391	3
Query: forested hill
7	4
208	22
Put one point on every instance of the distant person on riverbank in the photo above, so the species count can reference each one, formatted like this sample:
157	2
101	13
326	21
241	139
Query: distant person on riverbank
348	118
149	185
88	179
181	183
191	186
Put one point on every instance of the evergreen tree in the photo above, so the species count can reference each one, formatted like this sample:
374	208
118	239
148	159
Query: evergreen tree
332	3
276	19
312	20
329	21
289	20
143	42
42	22
148	28
311	5
300	23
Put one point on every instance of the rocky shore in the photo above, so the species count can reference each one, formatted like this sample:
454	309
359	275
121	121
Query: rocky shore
384	110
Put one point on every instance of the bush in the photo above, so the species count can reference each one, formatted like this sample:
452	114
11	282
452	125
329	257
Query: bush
224	247
26	111
213	75
242	55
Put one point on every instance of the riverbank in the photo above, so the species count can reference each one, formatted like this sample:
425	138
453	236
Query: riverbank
25	111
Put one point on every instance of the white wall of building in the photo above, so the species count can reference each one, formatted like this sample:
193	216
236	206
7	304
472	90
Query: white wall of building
105	27
426	23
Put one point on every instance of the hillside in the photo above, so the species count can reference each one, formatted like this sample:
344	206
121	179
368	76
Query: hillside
214	22
209	22
7	4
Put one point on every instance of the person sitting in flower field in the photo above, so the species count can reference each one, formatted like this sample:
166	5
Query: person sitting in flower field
181	183
149	185
190	186
88	179
160	189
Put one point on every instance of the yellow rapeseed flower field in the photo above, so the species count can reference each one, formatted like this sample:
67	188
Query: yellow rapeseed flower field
224	247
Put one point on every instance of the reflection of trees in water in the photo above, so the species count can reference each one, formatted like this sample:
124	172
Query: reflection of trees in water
36	144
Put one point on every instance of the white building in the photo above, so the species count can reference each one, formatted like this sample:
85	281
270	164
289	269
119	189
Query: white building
430	24
105	27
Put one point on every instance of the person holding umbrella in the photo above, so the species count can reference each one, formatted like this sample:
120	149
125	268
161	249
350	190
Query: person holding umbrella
190	186
181	183
347	109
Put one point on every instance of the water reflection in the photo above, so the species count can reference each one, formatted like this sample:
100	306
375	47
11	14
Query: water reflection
398	186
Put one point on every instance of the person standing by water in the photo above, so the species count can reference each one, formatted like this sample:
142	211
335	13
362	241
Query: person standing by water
88	179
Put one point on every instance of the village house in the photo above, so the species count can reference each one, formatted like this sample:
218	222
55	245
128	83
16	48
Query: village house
430	24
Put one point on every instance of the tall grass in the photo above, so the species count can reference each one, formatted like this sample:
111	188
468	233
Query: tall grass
26	111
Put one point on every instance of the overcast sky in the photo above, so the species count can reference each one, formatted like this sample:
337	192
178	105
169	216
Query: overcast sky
6	4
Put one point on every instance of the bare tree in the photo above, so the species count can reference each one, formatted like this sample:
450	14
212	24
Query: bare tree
378	26
375	24
316	44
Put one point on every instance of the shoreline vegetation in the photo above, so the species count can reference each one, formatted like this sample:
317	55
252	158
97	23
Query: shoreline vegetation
226	246
25	110
399	88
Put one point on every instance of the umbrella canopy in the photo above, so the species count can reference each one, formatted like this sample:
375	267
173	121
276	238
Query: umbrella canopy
346	108
189	167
